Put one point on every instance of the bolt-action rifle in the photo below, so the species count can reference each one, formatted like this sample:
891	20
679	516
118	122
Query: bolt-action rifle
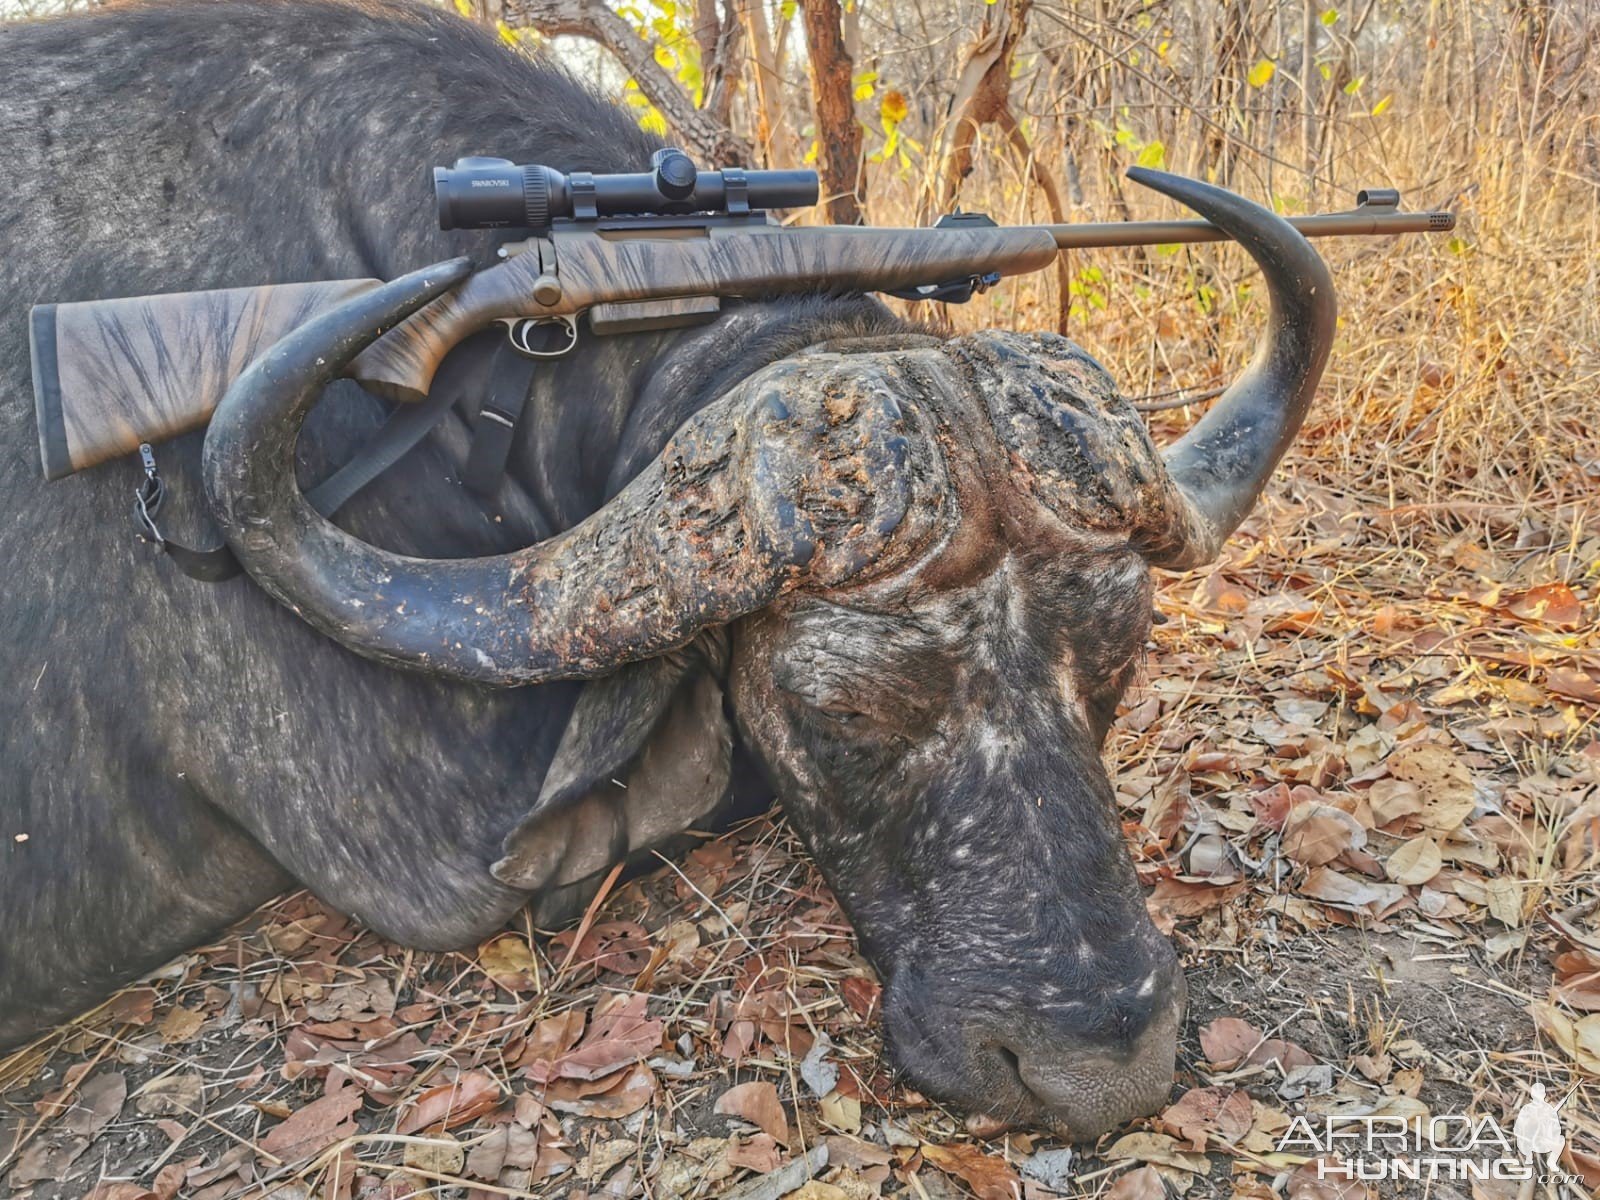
626	252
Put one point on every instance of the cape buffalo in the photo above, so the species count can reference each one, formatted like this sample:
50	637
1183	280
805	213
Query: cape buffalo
807	550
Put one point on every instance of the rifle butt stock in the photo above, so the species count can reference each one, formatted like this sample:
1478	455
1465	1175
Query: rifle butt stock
110	374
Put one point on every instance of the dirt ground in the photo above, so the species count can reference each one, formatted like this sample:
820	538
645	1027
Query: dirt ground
1367	806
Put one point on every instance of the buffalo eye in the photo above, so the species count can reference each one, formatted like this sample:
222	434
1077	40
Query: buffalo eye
839	714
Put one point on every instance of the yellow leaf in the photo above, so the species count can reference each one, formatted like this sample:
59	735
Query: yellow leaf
1329	16
1261	74
1382	106
1153	155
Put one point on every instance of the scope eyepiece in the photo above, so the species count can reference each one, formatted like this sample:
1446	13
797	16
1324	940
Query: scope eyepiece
496	193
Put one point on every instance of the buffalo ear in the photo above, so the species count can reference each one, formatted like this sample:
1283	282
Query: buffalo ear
647	753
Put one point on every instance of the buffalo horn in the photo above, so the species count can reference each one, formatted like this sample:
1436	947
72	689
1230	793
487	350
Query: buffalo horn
1221	465
771	486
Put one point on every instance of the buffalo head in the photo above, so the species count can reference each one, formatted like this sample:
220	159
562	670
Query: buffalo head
925	568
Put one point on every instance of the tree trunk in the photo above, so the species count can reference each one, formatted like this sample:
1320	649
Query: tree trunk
720	36
708	140
771	137
838	132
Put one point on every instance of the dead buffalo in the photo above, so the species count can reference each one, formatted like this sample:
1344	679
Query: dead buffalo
807	550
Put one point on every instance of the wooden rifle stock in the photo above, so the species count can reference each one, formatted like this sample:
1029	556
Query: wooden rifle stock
109	374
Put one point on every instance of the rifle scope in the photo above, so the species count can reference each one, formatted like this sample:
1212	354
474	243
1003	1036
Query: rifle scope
496	193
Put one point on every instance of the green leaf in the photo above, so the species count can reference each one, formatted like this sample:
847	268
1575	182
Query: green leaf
1329	16
1382	106
1153	155
1261	74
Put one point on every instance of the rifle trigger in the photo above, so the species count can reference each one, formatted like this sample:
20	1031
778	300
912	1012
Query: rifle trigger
543	337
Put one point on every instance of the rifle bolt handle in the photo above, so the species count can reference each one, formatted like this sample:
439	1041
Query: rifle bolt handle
547	290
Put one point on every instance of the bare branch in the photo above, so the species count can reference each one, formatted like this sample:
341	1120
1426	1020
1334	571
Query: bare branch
709	140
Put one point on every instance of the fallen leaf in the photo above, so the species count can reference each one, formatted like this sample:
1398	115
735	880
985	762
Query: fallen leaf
1141	1183
864	996
509	962
815	1189
1202	1114
1575	685
1333	1182
620	1034
1549	604
315	1127
819	1075
448	1105
631	1092
549	1040
1052	1169
508	1145
1505	900
1345	891
440	1154
1187	898
1158	1148
119	1190
136	1006
842	1112
1392	799
179	1026
1315	833
1579	1040
758	1153
49	1156
1442	779
1226	1040
758	1103
172	1096
1414	862
361	1000
989	1177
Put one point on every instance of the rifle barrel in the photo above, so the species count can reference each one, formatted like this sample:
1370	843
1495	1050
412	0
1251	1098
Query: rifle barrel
1161	233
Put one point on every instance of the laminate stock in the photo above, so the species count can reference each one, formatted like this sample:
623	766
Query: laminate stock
109	374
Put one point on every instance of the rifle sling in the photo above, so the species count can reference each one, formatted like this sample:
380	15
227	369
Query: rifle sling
405	428
510	377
